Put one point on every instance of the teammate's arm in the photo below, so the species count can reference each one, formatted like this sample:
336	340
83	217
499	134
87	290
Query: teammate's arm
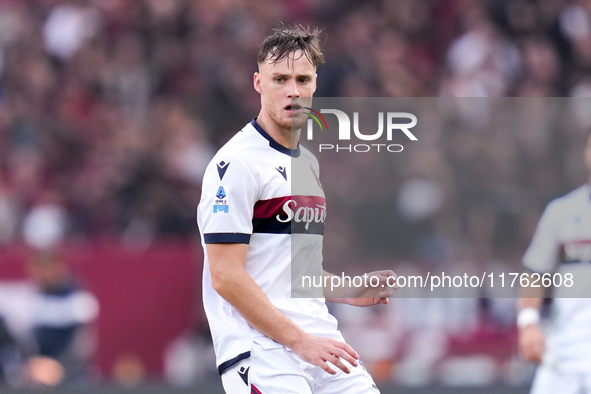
531	337
236	286
540	256
366	295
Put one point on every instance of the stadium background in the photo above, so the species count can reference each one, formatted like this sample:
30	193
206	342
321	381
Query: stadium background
110	110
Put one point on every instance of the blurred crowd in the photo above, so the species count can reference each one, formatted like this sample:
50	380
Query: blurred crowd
111	109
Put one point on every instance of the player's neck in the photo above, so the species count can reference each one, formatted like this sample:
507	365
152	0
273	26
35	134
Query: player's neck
286	138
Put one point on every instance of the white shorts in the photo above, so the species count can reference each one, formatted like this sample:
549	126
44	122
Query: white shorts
280	370
550	381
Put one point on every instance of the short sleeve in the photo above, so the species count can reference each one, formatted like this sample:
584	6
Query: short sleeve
542	254
227	201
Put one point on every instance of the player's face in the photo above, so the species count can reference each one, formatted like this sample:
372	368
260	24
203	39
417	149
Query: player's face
281	84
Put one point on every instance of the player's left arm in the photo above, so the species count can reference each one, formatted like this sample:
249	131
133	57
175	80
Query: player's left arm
372	292
376	287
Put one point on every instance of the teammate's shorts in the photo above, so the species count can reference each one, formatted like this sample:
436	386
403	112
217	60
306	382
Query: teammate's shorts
280	370
550	381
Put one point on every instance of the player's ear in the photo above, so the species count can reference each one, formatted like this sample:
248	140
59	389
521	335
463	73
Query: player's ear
257	82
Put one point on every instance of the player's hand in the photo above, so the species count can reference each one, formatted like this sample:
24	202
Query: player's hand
531	343
321	351
373	295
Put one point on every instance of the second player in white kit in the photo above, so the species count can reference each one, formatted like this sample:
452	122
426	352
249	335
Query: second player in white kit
561	243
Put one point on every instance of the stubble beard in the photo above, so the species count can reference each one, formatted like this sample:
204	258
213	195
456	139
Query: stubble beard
290	124
297	122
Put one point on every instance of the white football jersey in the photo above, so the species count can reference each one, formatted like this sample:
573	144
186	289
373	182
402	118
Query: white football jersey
562	244
249	196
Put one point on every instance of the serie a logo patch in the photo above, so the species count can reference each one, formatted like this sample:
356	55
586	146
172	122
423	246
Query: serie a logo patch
221	203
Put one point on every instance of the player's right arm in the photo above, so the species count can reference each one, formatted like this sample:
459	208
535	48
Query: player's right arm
539	257
228	180
531	337
235	285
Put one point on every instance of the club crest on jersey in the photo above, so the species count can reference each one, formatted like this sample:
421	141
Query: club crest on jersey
282	171
221	203
315	176
222	168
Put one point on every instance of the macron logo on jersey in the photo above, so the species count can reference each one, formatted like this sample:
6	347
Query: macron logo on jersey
222	168
282	171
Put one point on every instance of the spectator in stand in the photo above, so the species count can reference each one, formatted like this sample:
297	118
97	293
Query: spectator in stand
10	358
51	319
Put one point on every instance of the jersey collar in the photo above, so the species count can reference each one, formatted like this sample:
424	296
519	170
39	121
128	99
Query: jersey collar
274	144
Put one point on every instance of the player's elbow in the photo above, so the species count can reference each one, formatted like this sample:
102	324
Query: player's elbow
217	281
221	281
226	266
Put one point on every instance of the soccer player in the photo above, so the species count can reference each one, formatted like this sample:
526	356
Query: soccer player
267	341
563	237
